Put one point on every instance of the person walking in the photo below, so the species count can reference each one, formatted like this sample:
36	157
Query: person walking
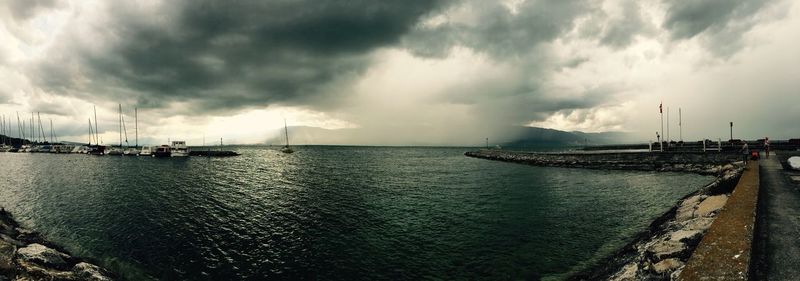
745	153
766	146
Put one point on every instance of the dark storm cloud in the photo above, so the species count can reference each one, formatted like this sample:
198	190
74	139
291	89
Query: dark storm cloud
620	32
516	36
724	21
223	55
498	30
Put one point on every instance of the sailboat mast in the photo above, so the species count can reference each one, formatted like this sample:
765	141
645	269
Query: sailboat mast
136	125
120	125
19	129
52	132
96	132
91	134
286	130
41	128
33	133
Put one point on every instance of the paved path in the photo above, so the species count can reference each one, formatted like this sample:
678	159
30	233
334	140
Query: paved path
724	253
777	249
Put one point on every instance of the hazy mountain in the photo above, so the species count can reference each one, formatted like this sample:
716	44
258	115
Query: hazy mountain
512	136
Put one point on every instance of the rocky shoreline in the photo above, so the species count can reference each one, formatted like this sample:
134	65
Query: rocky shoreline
26	255
692	162
661	251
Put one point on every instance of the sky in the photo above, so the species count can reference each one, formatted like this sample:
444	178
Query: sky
399	72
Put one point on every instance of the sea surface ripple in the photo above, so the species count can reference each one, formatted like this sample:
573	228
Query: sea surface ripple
333	213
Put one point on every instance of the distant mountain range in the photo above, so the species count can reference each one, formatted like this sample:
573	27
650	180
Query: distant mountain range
511	136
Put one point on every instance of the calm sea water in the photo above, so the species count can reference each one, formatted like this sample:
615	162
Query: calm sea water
333	213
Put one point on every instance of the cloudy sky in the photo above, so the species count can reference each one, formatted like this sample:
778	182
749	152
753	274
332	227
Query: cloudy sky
446	72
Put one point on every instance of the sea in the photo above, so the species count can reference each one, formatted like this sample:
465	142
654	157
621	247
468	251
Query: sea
334	213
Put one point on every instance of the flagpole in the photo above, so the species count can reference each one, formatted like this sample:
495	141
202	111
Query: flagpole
668	139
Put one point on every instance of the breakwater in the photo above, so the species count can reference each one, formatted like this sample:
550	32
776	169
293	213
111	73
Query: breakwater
708	163
25	255
662	250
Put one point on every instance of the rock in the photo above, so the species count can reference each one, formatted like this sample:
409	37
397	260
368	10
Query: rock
627	273
666	249
28	236
728	167
7	255
686	209
794	162
89	272
685	235
10	240
711	205
667	265
701	224
44	256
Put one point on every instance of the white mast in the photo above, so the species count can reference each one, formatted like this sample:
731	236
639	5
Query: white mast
96	132
136	125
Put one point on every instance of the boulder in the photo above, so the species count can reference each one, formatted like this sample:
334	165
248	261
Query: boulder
685	235
44	256
710	205
627	273
7	255
89	272
794	162
666	249
686	209
667	265
701	224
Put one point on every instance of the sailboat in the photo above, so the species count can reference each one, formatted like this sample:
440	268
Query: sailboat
117	150
96	149
286	149
135	150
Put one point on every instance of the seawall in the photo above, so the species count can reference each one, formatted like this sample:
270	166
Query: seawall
696	162
26	255
724	253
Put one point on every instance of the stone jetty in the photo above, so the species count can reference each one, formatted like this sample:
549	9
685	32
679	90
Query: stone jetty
662	251
25	255
708	163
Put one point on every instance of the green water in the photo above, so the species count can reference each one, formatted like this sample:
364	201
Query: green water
333	213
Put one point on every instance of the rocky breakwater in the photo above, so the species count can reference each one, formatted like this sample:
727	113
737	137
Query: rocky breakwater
693	162
25	255
661	252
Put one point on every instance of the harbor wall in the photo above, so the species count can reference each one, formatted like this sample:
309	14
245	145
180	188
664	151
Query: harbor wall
695	162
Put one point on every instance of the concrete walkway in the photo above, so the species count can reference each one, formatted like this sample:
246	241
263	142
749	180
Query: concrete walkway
724	253
777	246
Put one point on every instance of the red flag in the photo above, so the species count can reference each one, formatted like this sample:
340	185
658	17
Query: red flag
659	108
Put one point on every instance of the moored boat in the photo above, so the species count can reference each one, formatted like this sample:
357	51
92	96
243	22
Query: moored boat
179	149
131	151
146	151
162	151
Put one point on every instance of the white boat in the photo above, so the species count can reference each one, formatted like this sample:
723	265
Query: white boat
115	151
131	151
146	151
4	148
179	149
286	148
134	151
